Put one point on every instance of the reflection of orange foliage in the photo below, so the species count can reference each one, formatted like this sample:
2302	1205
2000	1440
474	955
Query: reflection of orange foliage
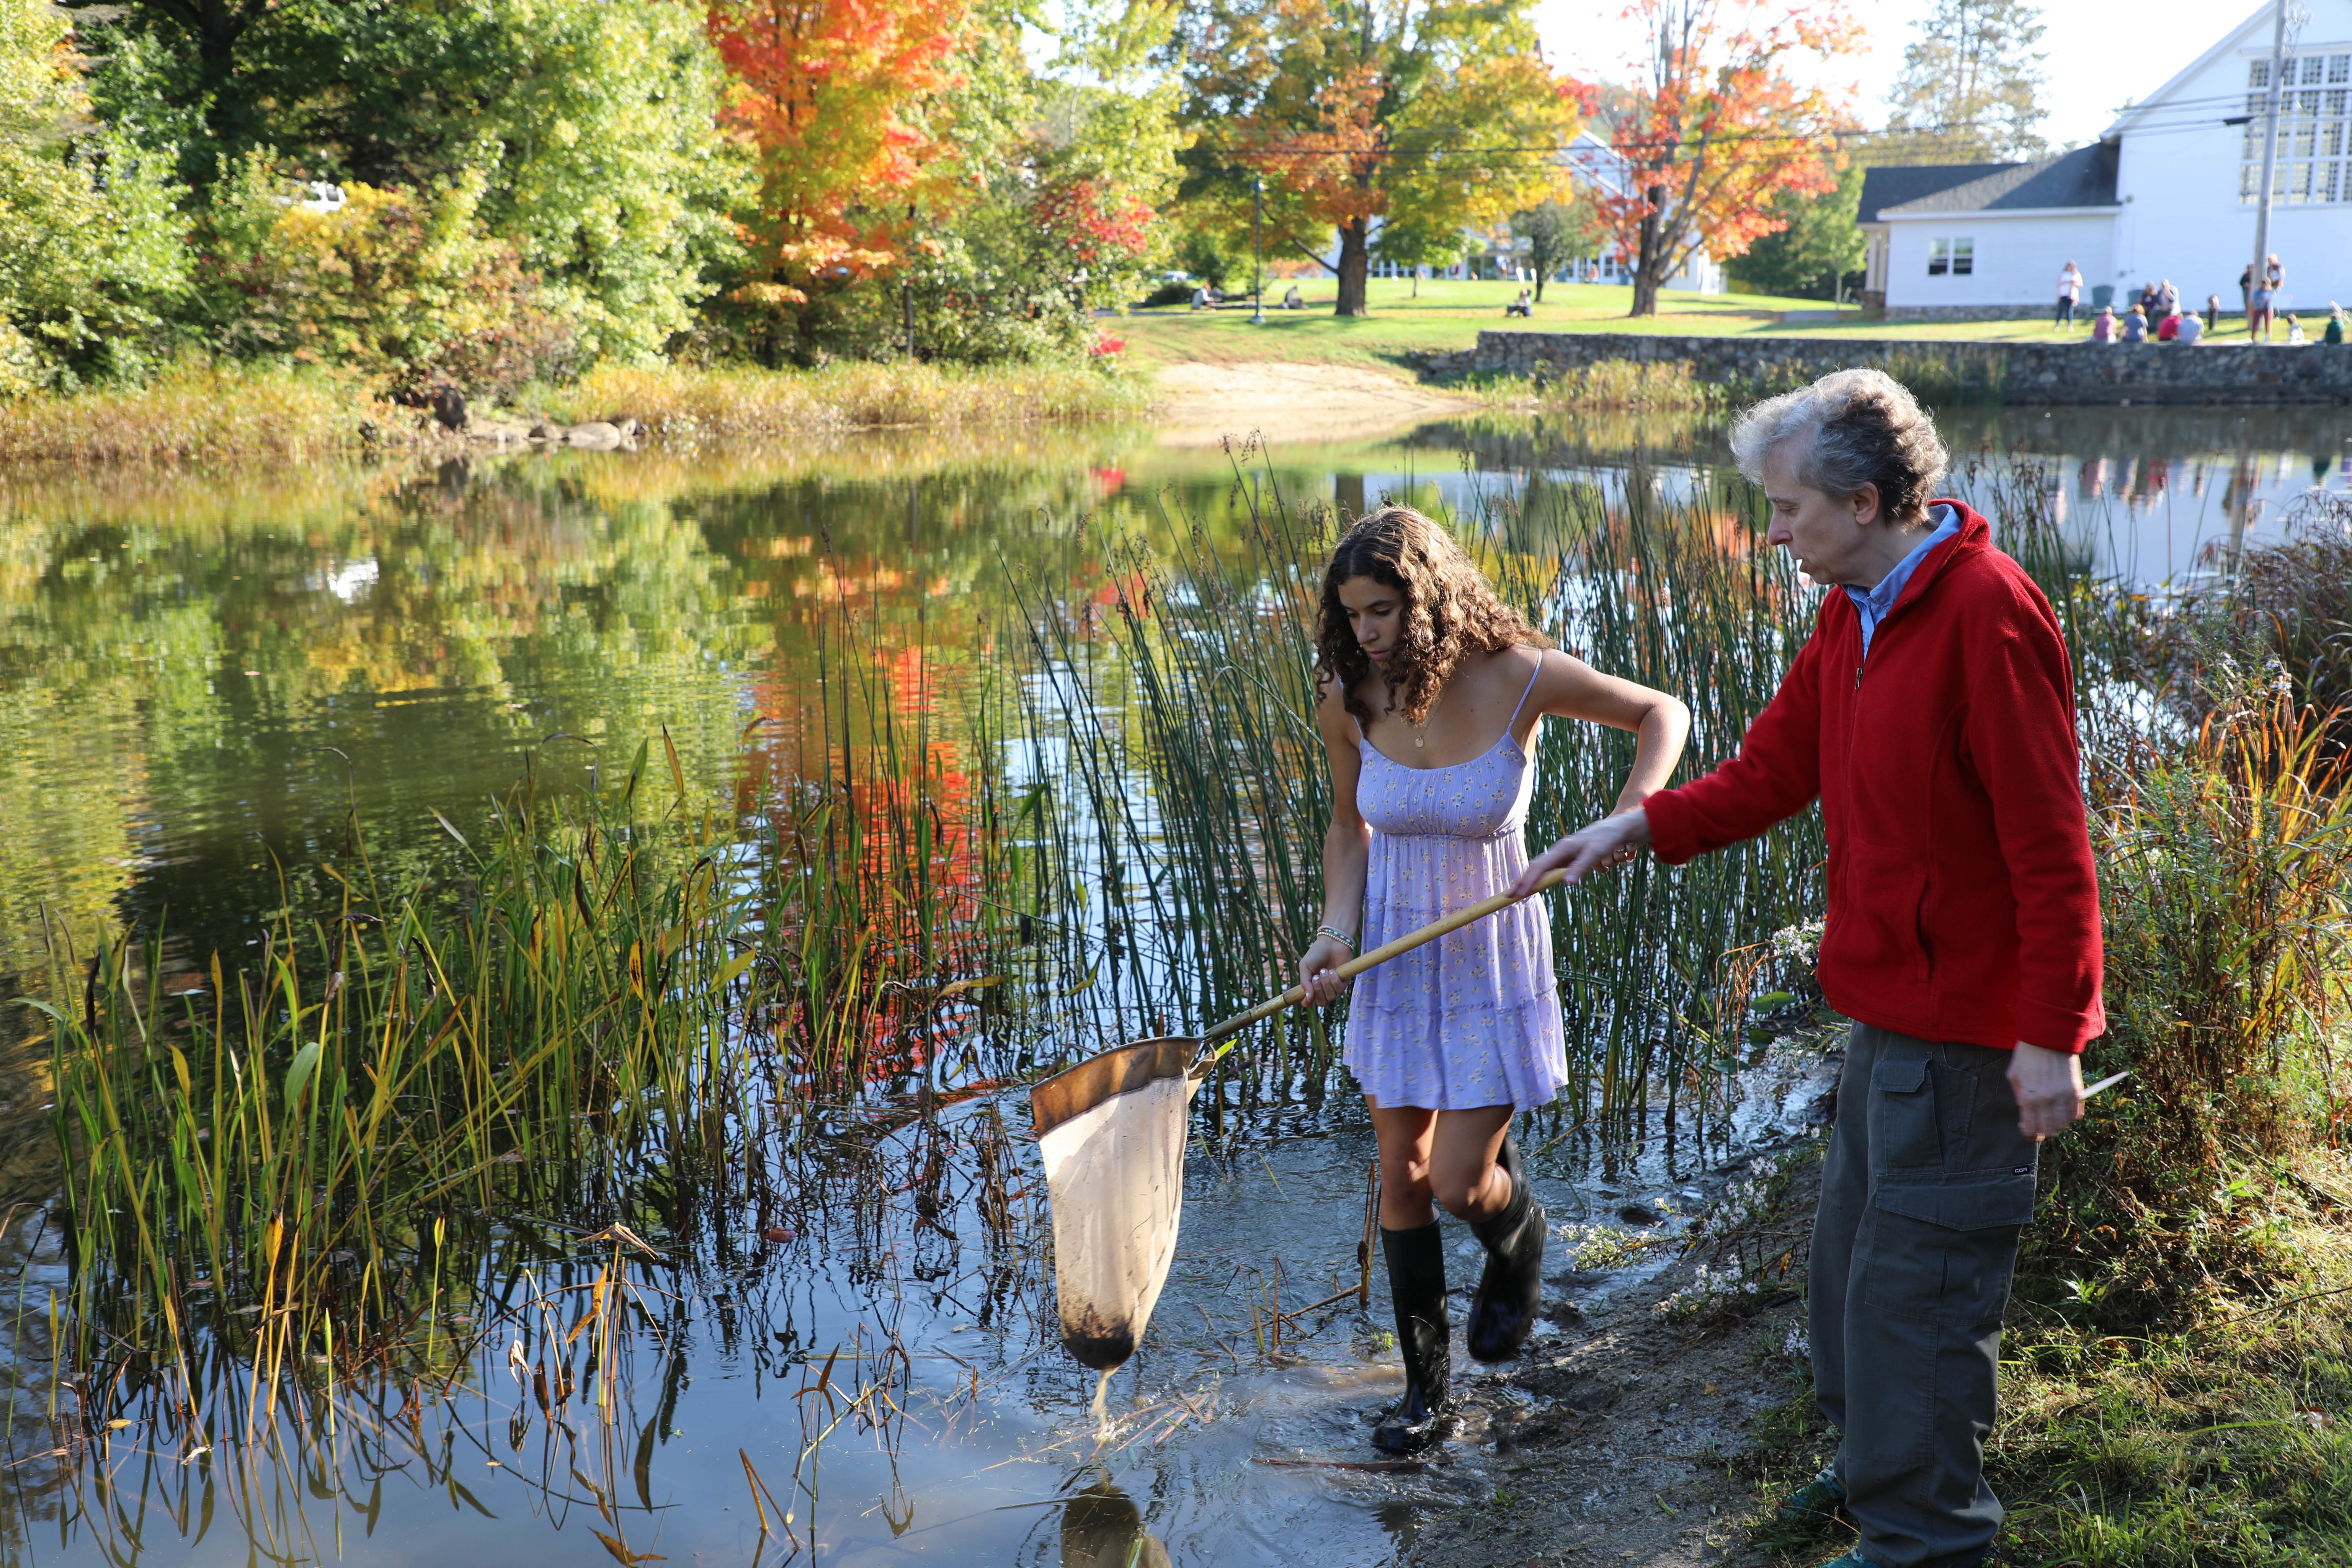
1132	589
835	587
905	797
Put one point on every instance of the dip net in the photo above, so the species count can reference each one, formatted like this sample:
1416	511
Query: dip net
1112	1132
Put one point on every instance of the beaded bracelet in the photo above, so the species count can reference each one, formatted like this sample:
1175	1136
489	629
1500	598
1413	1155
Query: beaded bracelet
1335	934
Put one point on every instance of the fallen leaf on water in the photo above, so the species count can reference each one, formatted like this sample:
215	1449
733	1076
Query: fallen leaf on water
776	1234
621	1550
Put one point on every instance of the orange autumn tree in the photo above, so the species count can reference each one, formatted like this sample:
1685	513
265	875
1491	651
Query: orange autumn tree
1718	128
829	95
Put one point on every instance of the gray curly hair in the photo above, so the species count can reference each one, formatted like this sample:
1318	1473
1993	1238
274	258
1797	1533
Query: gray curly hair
1865	428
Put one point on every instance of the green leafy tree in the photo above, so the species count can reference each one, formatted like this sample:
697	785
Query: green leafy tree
91	245
592	125
1557	233
1417	117
1062	178
1971	86
1821	246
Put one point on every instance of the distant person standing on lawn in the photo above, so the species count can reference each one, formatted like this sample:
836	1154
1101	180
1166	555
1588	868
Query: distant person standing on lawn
2070	291
1932	714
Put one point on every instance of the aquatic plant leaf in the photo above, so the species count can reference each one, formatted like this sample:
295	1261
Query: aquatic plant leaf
449	828
961	987
298	1071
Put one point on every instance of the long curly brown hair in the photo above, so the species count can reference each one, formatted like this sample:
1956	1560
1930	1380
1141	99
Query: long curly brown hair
1450	611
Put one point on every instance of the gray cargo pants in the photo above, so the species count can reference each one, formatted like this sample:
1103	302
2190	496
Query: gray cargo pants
1928	1183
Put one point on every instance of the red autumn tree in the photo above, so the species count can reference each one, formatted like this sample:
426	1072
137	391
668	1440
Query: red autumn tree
1094	219
827	94
1718	128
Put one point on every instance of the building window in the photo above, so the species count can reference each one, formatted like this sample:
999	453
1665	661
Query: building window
1957	258
2314	143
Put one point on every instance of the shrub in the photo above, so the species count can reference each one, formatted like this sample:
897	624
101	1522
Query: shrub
2223	866
403	287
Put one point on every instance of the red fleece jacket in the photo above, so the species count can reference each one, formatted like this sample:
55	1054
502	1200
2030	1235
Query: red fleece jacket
1962	903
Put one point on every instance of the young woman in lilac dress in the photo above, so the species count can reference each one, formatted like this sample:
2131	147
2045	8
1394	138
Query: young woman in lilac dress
1431	692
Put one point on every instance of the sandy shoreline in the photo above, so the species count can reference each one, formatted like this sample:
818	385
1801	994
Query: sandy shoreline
1200	404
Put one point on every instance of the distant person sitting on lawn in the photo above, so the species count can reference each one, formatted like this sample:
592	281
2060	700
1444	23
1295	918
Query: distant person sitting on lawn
2168	327
1293	299
2334	335
2135	325
2294	331
2191	327
2103	325
1522	306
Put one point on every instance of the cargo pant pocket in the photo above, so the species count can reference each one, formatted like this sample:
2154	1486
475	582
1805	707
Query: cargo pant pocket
1903	1132
1944	1252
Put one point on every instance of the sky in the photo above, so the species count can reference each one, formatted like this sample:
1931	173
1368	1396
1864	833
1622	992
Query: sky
2099	57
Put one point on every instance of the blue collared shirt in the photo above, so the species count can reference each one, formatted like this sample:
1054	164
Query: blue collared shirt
1872	603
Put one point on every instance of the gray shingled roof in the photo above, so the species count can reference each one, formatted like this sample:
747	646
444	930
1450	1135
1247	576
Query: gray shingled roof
1899	184
2084	177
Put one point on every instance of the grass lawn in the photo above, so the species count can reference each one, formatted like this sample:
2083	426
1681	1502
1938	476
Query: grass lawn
1449	315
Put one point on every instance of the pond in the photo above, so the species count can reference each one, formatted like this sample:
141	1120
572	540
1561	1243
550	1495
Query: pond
213	684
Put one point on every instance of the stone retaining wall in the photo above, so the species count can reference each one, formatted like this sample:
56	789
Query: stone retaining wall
2069	372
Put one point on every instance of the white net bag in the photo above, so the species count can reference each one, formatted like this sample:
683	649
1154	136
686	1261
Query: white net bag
1112	1132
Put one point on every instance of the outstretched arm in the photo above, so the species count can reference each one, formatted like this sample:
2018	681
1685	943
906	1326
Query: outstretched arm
1573	689
1775	776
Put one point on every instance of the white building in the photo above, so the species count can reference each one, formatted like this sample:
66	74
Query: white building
2167	192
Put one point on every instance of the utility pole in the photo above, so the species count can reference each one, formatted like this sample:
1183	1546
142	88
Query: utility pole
1257	251
2256	276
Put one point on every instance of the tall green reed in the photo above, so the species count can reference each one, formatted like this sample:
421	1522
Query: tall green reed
546	1034
1185	717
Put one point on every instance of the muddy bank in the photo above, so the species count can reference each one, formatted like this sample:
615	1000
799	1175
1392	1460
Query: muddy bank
1629	1433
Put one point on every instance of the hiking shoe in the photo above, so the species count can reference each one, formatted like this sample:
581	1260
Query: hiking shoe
1813	1503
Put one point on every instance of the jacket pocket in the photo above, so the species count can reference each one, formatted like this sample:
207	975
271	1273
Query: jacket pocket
1903	1134
1874	927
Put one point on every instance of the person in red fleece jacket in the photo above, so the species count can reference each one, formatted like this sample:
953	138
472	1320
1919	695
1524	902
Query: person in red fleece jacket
1932	714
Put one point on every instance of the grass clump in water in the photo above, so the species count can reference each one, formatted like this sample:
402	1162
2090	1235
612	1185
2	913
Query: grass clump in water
200	416
742	402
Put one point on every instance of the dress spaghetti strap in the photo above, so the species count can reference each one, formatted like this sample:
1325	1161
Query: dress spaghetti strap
1510	730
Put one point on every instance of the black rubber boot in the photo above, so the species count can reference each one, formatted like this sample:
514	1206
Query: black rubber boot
1416	1260
1510	1292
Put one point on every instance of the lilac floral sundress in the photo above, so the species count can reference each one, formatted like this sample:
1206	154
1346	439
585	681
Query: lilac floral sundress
1473	1019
